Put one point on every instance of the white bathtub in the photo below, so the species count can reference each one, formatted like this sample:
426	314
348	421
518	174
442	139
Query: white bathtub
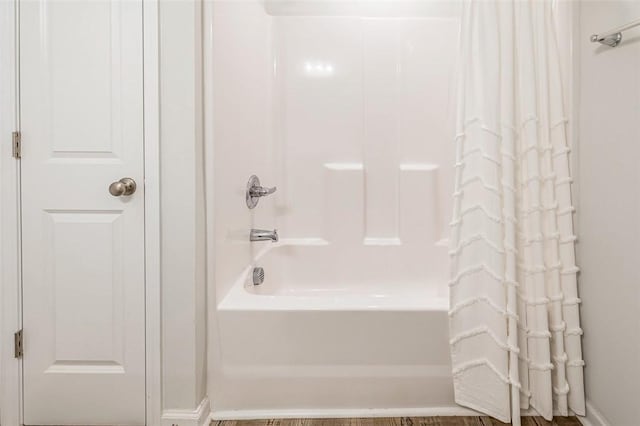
323	338
314	275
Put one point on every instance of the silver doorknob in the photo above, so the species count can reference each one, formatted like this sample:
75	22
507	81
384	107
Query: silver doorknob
125	186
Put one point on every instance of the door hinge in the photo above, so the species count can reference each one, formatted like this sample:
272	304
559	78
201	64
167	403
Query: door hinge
17	344
16	144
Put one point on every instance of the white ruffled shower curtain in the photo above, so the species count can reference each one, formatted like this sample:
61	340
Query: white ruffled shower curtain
514	324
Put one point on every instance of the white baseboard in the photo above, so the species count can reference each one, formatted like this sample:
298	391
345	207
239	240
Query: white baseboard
198	417
593	417
340	413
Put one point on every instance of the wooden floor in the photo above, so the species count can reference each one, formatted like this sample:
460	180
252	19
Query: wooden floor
399	421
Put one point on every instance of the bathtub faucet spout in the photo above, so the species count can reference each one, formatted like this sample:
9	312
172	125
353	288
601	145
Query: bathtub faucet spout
263	235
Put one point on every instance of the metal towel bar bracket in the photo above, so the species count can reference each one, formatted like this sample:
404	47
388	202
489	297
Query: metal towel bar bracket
613	37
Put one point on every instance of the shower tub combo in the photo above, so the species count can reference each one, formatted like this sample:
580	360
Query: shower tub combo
343	106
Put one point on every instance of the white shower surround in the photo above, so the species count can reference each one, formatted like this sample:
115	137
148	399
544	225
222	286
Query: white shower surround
515	331
334	109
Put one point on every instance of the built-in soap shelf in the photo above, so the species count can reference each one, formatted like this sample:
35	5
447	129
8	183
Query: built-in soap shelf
415	216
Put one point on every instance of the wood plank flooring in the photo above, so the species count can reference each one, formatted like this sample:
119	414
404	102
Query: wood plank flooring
399	421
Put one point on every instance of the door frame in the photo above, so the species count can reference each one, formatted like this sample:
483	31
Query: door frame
11	392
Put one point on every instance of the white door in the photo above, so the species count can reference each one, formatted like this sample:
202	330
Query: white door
81	118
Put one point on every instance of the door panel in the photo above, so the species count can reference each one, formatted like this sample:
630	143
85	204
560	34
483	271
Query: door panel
83	249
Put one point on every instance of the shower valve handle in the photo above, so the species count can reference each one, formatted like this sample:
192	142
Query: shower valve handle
255	191
261	191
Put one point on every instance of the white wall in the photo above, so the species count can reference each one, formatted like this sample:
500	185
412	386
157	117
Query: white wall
182	206
608	212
